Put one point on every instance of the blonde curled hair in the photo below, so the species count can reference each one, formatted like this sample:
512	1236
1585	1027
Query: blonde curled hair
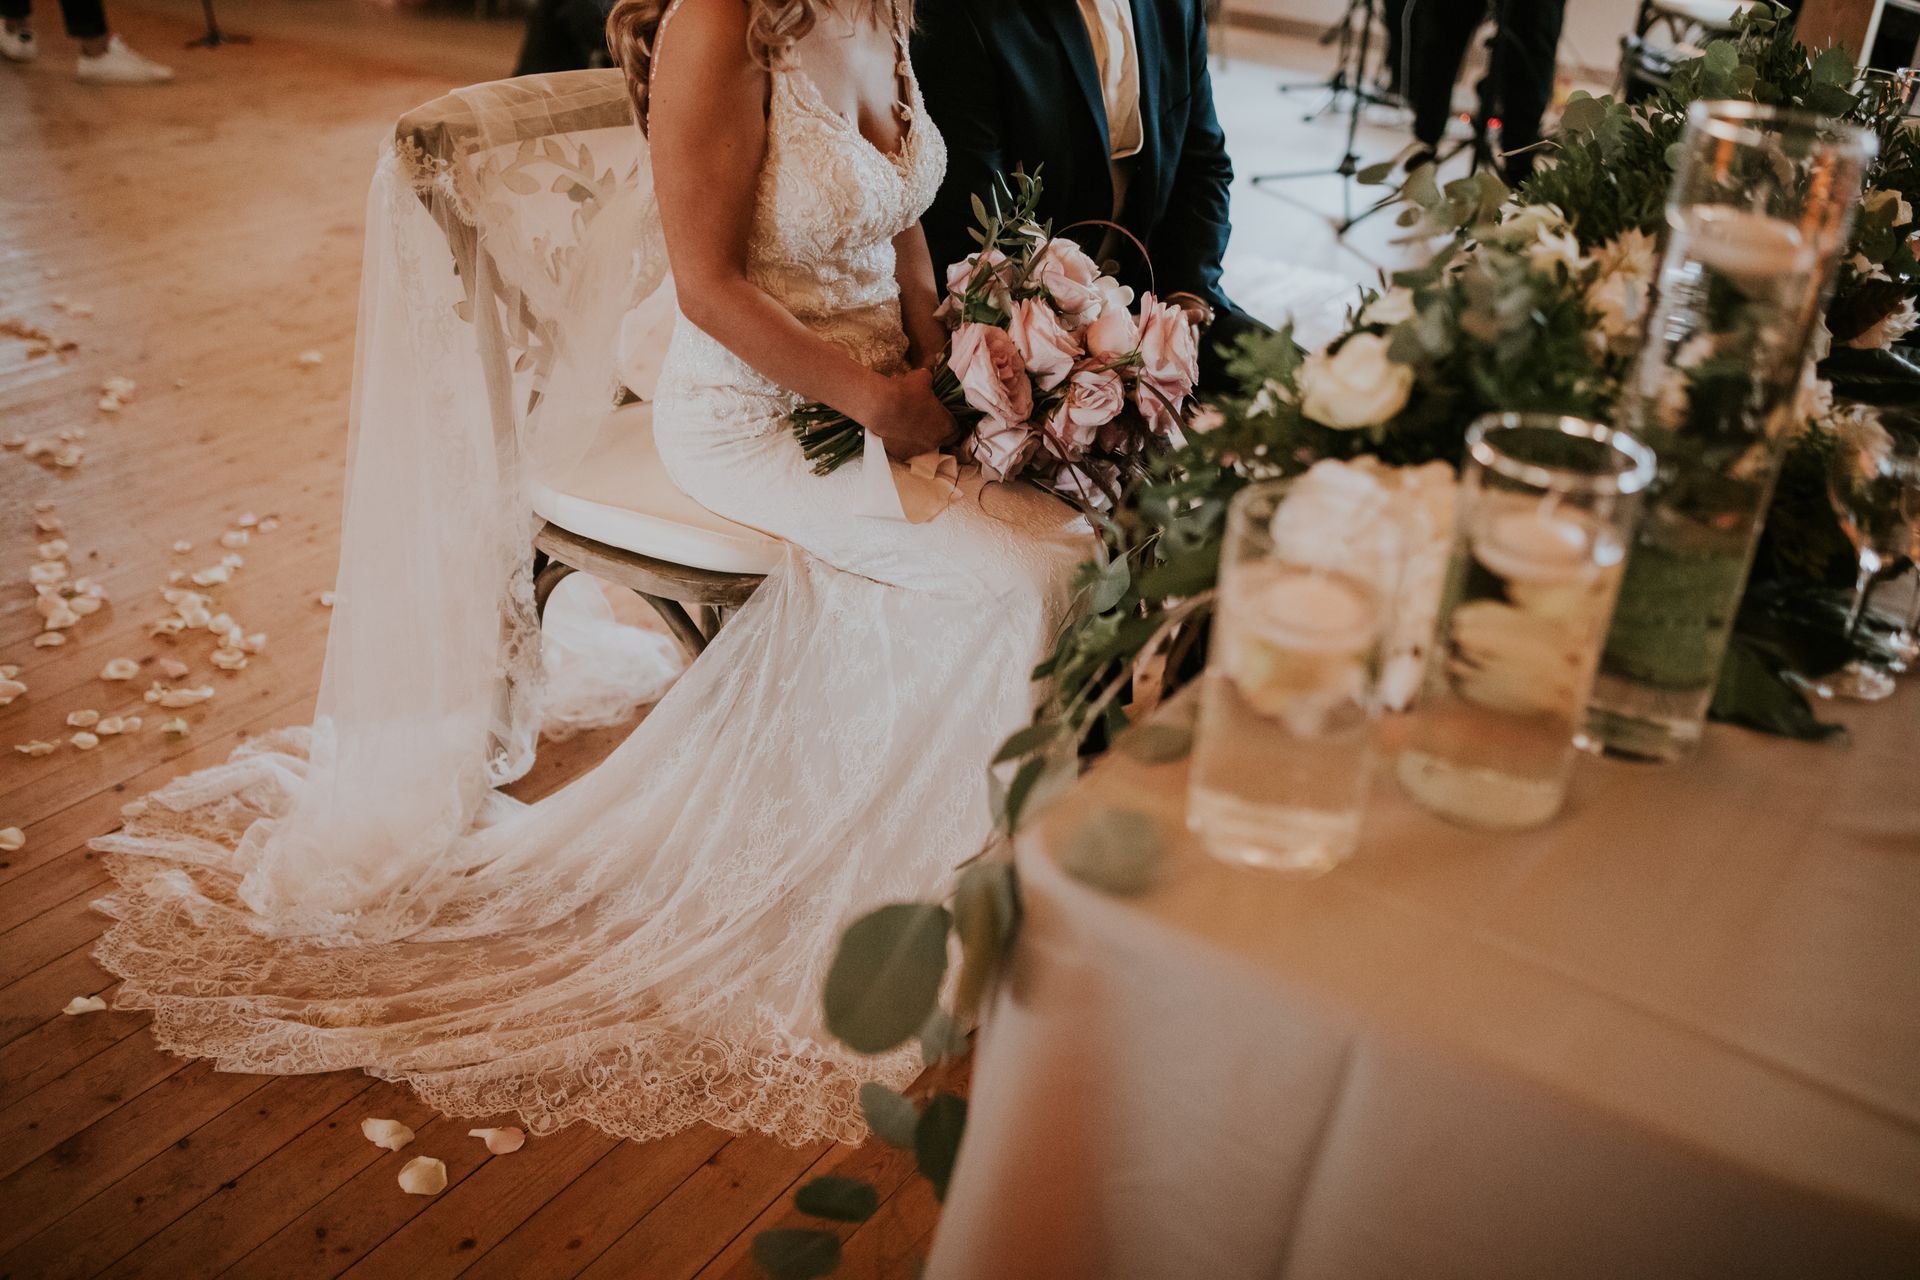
773	27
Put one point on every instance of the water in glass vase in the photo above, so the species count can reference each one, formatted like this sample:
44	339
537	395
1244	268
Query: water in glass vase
1713	392
1280	773
1526	606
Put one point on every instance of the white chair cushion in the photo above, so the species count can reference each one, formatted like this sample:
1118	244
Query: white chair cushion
620	495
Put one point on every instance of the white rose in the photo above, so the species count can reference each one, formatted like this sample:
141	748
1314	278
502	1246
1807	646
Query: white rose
1621	303
1530	221
1389	309
1878	200
1556	246
1359	385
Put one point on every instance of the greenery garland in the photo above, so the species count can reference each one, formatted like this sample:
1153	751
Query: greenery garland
1531	303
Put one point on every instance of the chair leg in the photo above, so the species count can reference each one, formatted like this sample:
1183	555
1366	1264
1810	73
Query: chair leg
549	577
674	614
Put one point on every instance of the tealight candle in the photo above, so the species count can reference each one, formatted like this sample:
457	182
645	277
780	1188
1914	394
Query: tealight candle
1535	546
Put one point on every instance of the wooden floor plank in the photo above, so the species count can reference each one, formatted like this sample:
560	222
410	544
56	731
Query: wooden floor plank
59	1045
580	1222
886	1168
37	999
449	1235
225	1228
99	1231
65	1107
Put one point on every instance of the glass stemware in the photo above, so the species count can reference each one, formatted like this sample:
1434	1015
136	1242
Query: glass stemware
1867	479
1906	644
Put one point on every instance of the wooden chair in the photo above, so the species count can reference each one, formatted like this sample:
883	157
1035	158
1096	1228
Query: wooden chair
617	516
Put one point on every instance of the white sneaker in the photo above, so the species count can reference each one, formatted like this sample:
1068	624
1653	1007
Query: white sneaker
121	65
18	46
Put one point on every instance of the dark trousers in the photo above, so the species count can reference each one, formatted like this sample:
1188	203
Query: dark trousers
86	19
1520	69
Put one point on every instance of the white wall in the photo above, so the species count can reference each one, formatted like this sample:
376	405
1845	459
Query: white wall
1589	43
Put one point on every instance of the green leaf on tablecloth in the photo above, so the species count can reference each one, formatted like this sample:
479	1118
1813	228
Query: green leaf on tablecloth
796	1253
1157	742
941	1038
1117	851
886	975
837	1198
936	1140
986	909
1753	692
890	1115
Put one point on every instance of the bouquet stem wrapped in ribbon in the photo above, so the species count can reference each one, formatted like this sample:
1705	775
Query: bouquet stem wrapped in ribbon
1051	370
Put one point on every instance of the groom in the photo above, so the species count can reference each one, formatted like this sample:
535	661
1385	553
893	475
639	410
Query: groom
1111	103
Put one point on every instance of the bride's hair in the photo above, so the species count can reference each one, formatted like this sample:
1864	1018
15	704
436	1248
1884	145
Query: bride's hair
773	26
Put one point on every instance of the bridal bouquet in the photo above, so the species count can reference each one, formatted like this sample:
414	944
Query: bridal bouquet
1052	370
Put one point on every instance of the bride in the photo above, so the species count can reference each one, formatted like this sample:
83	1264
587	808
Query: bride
645	949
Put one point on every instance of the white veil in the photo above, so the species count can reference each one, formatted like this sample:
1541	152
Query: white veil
510	228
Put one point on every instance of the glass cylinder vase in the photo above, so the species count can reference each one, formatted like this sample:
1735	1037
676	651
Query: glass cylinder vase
1546	511
1283	749
1760	208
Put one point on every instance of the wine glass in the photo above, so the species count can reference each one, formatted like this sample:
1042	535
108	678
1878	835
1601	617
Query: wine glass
1867	475
1906	643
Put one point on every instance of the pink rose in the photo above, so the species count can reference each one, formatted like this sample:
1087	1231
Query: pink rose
1000	448
1095	396
1070	278
1043	341
1115	335
1169	365
992	376
1091	482
988	274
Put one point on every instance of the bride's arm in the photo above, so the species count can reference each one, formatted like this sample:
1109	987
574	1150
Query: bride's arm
919	296
707	127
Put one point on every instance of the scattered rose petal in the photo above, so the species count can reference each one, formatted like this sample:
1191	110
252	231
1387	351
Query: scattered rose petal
55	549
85	606
85	741
235	538
61	617
229	659
181	547
424	1176
70	456
49	640
176	728
500	1142
35	748
168	627
177	576
48	523
212	576
12	839
10	689
14	441
120	669
82	719
247	520
113	725
326	599
173	668
390	1134
253	643
47	573
118	387
311	359
45	504
173	699
9	670
268	524
84	1004
195	616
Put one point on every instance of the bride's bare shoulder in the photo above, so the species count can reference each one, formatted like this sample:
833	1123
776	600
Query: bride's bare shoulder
702	63
703	32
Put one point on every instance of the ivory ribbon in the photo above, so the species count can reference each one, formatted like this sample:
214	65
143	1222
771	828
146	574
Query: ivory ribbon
915	491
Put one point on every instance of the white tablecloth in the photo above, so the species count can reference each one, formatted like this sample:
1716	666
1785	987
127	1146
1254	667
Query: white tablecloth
1677	1033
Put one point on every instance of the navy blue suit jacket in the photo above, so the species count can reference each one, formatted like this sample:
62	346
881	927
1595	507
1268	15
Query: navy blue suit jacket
1012	84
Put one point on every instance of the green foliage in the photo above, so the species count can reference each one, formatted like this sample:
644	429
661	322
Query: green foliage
891	1116
936	1140
796	1253
885	979
1118	851
986	911
839	1199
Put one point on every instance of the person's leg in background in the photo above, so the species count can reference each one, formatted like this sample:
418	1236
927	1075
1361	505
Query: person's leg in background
1438	33
1526	43
104	57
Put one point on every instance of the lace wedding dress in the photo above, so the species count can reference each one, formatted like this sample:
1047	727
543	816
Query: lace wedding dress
645	949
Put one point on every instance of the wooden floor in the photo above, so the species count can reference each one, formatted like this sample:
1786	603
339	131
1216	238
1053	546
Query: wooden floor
213	229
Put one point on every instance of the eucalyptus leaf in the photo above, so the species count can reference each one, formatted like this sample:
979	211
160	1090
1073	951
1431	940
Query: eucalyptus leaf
890	1115
936	1140
941	1038
886	975
1110	587
1751	692
796	1253
1118	851
986	910
837	1198
1028	740
1374	175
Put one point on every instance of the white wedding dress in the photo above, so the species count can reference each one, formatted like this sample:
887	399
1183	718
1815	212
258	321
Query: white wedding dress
645	949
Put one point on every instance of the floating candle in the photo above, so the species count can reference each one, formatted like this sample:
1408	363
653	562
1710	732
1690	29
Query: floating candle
1534	545
1300	609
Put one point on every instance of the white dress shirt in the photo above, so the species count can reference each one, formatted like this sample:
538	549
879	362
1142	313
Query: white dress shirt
1110	25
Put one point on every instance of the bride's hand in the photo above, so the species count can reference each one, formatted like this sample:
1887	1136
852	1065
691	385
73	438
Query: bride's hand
908	417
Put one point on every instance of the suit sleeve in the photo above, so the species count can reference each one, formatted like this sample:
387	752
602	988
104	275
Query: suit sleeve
957	79
1192	236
